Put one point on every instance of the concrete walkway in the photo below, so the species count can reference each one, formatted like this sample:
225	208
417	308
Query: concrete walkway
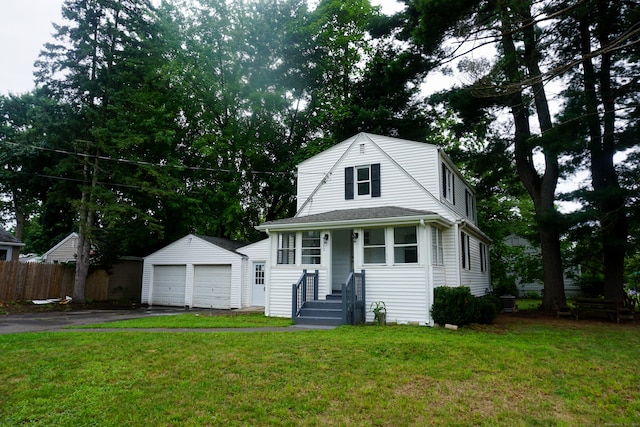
65	321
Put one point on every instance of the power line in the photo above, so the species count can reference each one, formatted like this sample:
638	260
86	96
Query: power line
140	162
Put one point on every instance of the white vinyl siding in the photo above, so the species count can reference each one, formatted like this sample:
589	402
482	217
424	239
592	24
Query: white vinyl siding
192	251
406	176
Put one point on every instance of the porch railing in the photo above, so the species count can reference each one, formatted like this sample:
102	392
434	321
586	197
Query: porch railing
305	289
353	299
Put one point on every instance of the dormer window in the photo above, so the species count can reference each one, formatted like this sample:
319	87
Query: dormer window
363	181
363	177
448	184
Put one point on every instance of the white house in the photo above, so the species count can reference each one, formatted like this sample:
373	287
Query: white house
399	210
205	272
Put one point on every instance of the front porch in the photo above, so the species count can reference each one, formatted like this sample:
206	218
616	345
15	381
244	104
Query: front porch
342	307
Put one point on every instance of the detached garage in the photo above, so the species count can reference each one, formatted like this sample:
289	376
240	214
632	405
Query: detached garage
197	271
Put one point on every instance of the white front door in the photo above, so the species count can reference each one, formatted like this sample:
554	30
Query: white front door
258	284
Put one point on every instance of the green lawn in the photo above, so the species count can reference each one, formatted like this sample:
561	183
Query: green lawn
518	374
196	321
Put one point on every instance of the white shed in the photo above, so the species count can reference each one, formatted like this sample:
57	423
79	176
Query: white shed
198	271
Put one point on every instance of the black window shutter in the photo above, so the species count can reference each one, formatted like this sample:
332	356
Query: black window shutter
453	187
444	180
348	183
375	180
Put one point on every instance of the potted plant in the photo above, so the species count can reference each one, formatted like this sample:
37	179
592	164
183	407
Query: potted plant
379	312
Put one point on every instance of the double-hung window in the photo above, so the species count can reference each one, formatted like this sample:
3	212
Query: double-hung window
470	205
437	248
287	248
362	181
374	246
311	247
405	245
466	250
484	263
448	184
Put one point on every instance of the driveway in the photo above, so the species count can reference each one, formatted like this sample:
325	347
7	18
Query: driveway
63	321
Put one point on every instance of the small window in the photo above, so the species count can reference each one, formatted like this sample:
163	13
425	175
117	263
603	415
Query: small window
448	184
470	205
374	246
287	248
437	248
311	247
362	181
405	245
484	263
466	251
363	177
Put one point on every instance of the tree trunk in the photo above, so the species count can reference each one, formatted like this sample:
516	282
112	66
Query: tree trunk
604	179
541	189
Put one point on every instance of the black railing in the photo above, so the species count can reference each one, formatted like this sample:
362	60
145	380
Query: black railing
353	299
305	289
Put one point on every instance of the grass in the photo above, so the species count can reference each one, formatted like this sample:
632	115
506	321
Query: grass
196	321
518	374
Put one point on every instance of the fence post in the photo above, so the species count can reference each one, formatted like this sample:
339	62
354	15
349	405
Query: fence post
364	299
294	302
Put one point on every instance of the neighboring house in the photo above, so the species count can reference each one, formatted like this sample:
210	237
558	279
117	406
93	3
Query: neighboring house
399	210
205	272
9	246
66	250
525	287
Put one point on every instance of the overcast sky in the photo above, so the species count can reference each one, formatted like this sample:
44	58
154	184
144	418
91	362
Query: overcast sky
25	25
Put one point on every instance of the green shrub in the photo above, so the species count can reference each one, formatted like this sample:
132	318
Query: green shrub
532	295
487	309
453	305
458	307
505	287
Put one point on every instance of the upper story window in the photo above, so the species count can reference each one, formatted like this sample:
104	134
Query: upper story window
287	248
466	250
311	247
374	246
448	184
405	245
470	205
484	262
437	247
362	181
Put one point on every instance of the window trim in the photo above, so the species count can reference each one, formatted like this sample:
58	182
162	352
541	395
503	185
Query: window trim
366	246
484	262
314	256
358	181
448	184
406	245
290	249
437	246
465	246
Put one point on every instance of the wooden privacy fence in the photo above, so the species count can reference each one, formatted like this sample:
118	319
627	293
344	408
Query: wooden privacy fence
28	281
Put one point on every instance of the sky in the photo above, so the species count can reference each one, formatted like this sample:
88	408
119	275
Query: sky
26	25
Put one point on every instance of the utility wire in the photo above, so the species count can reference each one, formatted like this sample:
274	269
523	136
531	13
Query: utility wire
139	162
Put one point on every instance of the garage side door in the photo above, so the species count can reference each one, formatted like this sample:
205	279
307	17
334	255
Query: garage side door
212	286
168	285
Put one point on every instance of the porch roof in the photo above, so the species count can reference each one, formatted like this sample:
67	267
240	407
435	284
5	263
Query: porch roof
348	218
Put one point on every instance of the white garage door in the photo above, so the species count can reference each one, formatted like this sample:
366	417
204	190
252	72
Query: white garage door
212	286
168	285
